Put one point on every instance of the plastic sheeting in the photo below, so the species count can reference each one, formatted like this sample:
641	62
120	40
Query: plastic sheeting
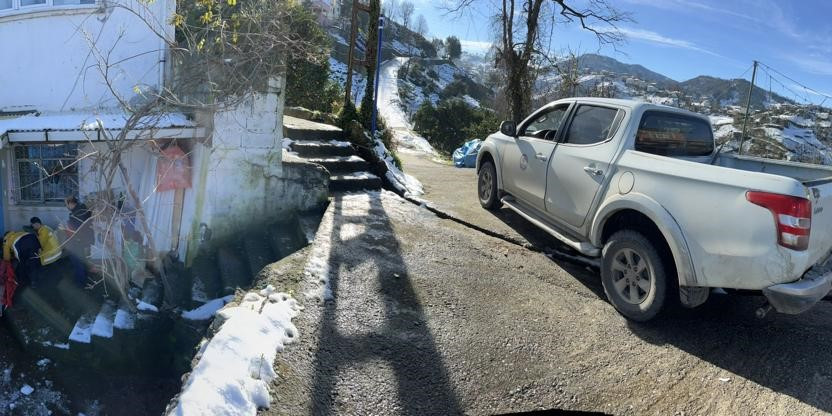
466	156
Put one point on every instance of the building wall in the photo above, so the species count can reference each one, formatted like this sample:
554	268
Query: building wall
244	182
47	59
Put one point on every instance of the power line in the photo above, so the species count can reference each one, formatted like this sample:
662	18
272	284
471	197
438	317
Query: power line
801	97
799	84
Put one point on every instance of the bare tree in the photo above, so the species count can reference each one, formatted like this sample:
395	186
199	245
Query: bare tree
220	58
406	10
422	25
525	30
390	9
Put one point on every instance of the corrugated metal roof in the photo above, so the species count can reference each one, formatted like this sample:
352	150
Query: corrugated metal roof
89	122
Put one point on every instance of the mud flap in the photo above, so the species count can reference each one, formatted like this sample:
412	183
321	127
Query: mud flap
693	296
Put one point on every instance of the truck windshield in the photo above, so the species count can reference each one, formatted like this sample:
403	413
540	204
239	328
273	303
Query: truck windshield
669	134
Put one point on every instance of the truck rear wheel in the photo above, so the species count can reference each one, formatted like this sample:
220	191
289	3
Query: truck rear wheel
633	276
487	186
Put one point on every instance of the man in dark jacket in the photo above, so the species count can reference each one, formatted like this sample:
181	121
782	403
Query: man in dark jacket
79	237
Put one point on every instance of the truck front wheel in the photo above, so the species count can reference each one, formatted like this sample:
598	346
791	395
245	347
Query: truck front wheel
633	276
487	186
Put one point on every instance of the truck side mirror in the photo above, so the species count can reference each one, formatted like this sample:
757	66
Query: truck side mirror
509	128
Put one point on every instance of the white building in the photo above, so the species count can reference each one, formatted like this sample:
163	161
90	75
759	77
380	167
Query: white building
55	104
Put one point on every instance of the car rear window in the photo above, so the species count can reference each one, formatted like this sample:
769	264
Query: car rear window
674	135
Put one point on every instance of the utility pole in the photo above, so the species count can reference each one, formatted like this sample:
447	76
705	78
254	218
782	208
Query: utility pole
378	75
748	106
357	6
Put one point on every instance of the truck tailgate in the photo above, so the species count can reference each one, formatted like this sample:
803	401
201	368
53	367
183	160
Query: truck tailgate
820	240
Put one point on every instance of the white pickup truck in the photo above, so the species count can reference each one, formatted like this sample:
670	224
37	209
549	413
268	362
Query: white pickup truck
644	187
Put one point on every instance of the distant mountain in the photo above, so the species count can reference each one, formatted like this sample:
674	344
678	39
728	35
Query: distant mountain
729	92
597	63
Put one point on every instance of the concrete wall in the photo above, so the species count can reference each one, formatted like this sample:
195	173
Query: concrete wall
47	64
244	182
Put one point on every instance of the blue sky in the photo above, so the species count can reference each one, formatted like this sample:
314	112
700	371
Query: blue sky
685	38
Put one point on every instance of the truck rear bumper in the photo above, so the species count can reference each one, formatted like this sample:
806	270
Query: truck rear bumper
798	297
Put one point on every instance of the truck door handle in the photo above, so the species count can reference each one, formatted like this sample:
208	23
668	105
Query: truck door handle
541	157
593	171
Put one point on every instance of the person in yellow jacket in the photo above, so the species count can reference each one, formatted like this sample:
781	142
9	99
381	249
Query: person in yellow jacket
23	247
50	248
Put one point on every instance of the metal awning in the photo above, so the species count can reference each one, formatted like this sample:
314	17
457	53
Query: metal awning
82	127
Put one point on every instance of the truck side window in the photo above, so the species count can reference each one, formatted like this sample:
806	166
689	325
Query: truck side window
669	134
546	122
591	125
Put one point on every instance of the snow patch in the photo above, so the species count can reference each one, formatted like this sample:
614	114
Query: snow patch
234	370
208	310
144	306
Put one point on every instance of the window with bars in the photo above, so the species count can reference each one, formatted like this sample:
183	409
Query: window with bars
46	173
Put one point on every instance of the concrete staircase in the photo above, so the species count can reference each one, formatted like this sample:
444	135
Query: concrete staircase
65	323
320	144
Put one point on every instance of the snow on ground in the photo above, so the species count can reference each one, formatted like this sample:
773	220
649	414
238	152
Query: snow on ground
29	393
207	310
717	121
235	368
405	183
144	306
338	73
390	108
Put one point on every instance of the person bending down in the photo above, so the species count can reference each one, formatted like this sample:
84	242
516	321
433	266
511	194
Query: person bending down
24	248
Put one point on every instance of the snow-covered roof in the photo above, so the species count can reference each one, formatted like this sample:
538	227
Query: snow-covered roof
88	121
83	126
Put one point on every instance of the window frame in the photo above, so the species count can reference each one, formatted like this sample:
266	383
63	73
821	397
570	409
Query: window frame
617	122
529	120
48	5
18	192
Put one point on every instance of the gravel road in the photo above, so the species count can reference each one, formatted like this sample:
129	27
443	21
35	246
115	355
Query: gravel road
432	317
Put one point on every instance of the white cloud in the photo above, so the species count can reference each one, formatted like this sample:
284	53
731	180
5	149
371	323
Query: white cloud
475	46
657	38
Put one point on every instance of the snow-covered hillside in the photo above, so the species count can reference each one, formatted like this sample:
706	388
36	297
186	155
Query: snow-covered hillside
390	107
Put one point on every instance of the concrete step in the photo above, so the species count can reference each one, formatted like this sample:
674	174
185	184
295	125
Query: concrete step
342	164
102	327
322	149
82	332
300	129
354	181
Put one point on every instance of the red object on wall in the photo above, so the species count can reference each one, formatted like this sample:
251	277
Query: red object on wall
173	170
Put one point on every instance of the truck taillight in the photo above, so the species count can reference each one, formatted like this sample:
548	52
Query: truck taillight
792	217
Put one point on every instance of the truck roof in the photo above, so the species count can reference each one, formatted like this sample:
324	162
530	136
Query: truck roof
633	104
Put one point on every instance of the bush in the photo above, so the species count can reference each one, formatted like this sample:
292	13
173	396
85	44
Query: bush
452	123
348	113
307	80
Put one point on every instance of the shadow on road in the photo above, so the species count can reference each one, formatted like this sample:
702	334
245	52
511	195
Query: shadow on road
788	354
423	384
